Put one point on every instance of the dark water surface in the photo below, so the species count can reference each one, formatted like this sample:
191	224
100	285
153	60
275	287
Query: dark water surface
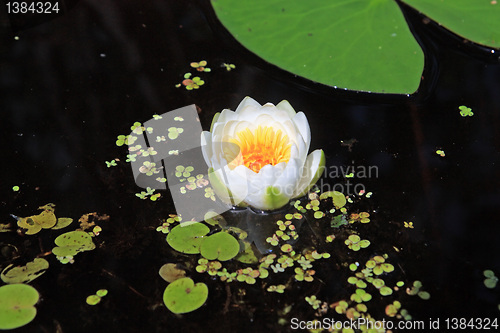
69	86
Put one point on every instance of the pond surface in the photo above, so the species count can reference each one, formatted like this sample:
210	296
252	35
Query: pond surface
71	85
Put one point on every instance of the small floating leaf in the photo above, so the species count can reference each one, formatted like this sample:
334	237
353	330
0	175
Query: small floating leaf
465	111
170	272
221	246
182	295
93	300
187	238
101	292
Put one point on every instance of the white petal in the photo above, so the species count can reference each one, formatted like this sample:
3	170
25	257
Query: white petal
287	181
302	125
250	113
285	106
311	172
267	176
268	198
226	115
237	181
247	101
206	147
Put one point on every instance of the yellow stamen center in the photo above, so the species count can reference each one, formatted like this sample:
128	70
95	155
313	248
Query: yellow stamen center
263	146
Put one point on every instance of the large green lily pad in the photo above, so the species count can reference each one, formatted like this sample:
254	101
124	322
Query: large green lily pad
187	238
358	44
182	295
476	20
17	305
24	274
221	246
354	44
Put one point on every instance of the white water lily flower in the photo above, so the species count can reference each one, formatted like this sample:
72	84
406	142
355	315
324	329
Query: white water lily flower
257	155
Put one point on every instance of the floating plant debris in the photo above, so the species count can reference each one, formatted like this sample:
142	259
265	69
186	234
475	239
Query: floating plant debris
465	111
228	67
440	152
45	220
24	274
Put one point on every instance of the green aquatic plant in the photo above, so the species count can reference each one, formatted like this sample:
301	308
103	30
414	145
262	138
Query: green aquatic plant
170	272
221	246
408	225
190	84
416	290
187	238
338	198
24	274
214	219
378	265
355	243
183	295
280	288
165	227
363	217
144	195
200	66
360	295
313	301
465	111
392	310
491	279
228	67
304	275
182	171
440	152
352	53
17	305
125	140
71	243
149	168
96	299
45	220
356	281
247	256
338	221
